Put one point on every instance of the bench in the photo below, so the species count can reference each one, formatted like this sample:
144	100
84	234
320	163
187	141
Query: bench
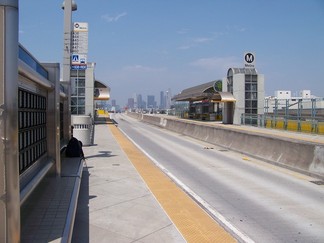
47	215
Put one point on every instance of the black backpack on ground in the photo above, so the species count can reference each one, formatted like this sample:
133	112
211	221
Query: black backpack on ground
74	148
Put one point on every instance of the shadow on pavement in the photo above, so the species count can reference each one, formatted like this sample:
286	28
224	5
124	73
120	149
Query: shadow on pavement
81	223
101	154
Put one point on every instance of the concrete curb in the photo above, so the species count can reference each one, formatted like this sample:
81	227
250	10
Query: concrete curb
70	218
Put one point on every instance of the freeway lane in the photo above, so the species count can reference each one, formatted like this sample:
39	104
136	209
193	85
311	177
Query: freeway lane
266	203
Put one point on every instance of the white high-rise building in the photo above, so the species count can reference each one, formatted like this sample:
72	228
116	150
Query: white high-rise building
168	96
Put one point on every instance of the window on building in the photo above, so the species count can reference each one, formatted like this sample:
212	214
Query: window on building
78	94
251	94
230	84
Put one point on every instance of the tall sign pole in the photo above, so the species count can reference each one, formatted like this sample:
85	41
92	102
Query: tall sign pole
9	171
67	63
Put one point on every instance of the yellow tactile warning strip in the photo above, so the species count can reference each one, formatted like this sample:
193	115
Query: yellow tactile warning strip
193	222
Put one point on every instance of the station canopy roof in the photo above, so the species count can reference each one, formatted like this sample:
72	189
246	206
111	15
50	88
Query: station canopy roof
208	91
102	91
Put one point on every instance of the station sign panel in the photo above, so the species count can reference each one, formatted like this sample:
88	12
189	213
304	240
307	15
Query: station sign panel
80	37
78	61
79	46
78	67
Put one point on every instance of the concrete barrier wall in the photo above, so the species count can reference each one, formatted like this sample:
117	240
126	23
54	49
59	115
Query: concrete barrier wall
154	120
299	155
137	116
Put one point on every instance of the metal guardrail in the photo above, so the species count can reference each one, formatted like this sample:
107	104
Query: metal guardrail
305	124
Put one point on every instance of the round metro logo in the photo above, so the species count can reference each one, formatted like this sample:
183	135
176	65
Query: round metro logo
249	57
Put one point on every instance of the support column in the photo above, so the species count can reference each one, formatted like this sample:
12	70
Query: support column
53	114
9	170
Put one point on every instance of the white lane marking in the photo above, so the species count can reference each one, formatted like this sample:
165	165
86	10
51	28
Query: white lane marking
206	206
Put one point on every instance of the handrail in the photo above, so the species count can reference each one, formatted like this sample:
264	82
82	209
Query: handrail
27	71
27	58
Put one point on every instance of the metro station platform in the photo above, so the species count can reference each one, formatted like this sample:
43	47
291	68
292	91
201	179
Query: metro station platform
123	197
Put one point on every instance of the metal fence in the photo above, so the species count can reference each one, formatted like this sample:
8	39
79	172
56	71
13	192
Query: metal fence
300	115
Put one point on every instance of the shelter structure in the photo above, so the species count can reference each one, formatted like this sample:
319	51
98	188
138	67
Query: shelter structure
236	99
206	102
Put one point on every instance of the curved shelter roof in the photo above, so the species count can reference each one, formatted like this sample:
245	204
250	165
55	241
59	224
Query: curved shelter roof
232	71
102	91
203	92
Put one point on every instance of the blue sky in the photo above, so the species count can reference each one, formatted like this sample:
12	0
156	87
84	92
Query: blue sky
148	46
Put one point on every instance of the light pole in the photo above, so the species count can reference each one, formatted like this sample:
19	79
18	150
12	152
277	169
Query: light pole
68	6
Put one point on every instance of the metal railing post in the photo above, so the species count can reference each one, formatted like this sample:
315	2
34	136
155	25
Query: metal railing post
53	115
9	176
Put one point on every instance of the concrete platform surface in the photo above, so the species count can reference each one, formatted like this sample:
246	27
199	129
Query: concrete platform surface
115	205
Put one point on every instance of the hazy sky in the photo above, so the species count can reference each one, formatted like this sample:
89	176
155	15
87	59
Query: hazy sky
148	46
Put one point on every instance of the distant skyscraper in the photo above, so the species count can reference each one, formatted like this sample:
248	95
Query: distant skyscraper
151	101
168	96
139	101
135	100
144	104
162	100
113	102
130	103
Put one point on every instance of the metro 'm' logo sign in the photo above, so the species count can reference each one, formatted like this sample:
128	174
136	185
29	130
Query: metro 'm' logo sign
249	60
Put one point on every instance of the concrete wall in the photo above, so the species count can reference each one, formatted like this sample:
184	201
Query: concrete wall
261	93
135	115
89	90
239	94
302	156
